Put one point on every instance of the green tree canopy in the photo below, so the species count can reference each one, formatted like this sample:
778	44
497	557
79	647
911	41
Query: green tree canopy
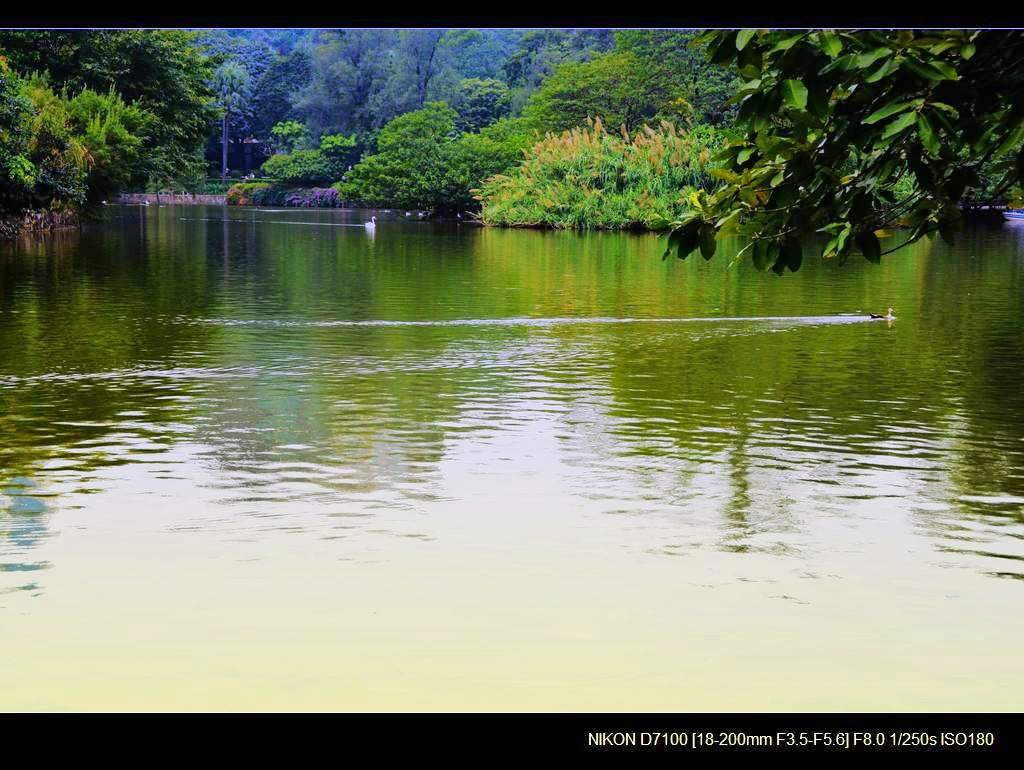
274	90
422	161
160	71
835	123
707	87
480	102
409	164
319	166
289	136
619	88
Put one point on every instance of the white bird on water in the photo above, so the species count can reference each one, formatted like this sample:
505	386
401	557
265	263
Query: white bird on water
371	225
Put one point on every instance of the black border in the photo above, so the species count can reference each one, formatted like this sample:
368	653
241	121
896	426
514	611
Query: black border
699	19
498	735
505	736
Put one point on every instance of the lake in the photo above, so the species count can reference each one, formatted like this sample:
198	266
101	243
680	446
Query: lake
264	459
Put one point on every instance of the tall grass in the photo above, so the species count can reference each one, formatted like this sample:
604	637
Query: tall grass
587	178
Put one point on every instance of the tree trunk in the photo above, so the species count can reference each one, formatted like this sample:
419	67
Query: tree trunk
224	148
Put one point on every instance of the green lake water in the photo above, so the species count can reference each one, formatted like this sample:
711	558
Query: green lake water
265	459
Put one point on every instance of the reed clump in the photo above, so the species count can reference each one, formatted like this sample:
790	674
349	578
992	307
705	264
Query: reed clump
588	178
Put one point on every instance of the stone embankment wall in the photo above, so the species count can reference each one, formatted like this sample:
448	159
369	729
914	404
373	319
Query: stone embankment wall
185	198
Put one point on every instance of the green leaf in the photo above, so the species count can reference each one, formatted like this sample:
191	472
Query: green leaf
886	111
967	51
927	70
830	43
743	37
1013	139
837	245
785	44
887	68
707	241
791	252
865	60
725	175
684	239
723	50
795	94
869	246
902	123
760	255
926	132
844	63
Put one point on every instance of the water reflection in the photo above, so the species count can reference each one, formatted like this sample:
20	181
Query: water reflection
308	376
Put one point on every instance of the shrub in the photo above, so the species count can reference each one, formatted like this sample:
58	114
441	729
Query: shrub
299	167
317	198
244	193
17	172
473	158
288	136
59	157
423	162
328	163
111	132
588	178
408	169
266	194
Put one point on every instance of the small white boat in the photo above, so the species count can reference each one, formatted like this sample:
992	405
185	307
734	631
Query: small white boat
1013	214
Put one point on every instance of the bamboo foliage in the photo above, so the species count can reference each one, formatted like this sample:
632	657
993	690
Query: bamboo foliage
589	178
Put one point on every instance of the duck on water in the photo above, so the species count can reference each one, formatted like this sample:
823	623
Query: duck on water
888	316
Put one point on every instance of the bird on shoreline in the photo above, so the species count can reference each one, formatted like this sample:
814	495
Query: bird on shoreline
888	316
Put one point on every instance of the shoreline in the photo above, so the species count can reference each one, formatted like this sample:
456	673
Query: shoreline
39	222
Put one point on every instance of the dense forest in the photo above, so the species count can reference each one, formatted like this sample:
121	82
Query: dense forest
405	118
765	134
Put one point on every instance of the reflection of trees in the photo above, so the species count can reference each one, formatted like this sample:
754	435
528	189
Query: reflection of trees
87	352
228	327
793	410
977	337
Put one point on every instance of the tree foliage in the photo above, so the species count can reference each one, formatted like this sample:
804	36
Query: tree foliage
160	71
481	102
706	87
289	136
619	88
323	165
58	151
111	132
834	123
423	162
541	51
408	168
272	100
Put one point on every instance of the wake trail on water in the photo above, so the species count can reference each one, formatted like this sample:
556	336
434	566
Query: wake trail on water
536	322
270	221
